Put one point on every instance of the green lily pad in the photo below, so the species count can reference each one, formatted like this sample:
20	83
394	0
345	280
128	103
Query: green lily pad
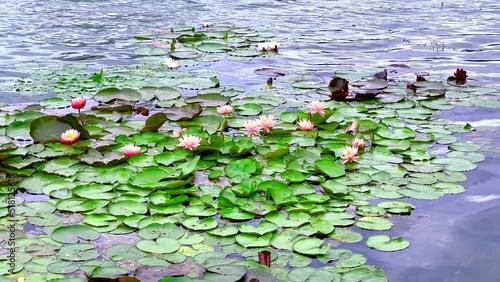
127	208
294	219
396	207
124	251
386	244
186	112
195	223
74	233
311	246
263	228
154	122
78	252
49	128
346	236
109	94
374	223
332	169
225	273
62	267
162	245
225	231
284	240
240	168
155	230
253	241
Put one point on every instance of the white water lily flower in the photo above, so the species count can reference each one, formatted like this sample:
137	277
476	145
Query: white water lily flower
268	46
171	63
273	45
262	46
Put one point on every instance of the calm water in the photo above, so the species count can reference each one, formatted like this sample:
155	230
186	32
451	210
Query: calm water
456	238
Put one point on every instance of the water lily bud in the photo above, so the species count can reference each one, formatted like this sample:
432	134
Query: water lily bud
420	78
460	74
353	128
78	103
270	82
265	258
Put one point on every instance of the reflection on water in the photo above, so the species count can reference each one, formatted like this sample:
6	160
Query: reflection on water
453	239
436	35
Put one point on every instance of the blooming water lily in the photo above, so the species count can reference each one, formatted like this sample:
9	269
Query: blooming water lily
70	136
305	124
252	127
171	63
225	109
189	142
317	107
267	122
350	154
130	150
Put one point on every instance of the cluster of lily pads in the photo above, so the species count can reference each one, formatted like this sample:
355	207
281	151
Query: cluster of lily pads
195	186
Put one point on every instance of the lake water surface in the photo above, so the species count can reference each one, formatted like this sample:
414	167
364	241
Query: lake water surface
454	239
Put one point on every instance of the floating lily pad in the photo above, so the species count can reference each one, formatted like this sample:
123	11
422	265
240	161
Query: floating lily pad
311	246
109	94
74	233
186	112
374	223
161	245
386	244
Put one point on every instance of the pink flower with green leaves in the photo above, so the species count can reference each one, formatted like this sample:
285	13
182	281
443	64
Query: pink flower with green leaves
350	154
252	127
305	124
70	136
225	110
189	142
130	150
317	107
267	122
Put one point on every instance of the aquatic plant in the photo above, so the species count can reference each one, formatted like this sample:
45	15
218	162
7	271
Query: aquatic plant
70	136
305	124
130	150
203	206
350	154
189	142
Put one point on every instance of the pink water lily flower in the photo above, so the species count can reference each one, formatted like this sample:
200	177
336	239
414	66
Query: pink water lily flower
317	107
305	124
350	154
189	142
70	136
130	150
225	109
178	133
252	127
78	103
353	128
358	143
267	122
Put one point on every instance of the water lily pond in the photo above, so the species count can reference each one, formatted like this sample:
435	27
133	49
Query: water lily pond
216	149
